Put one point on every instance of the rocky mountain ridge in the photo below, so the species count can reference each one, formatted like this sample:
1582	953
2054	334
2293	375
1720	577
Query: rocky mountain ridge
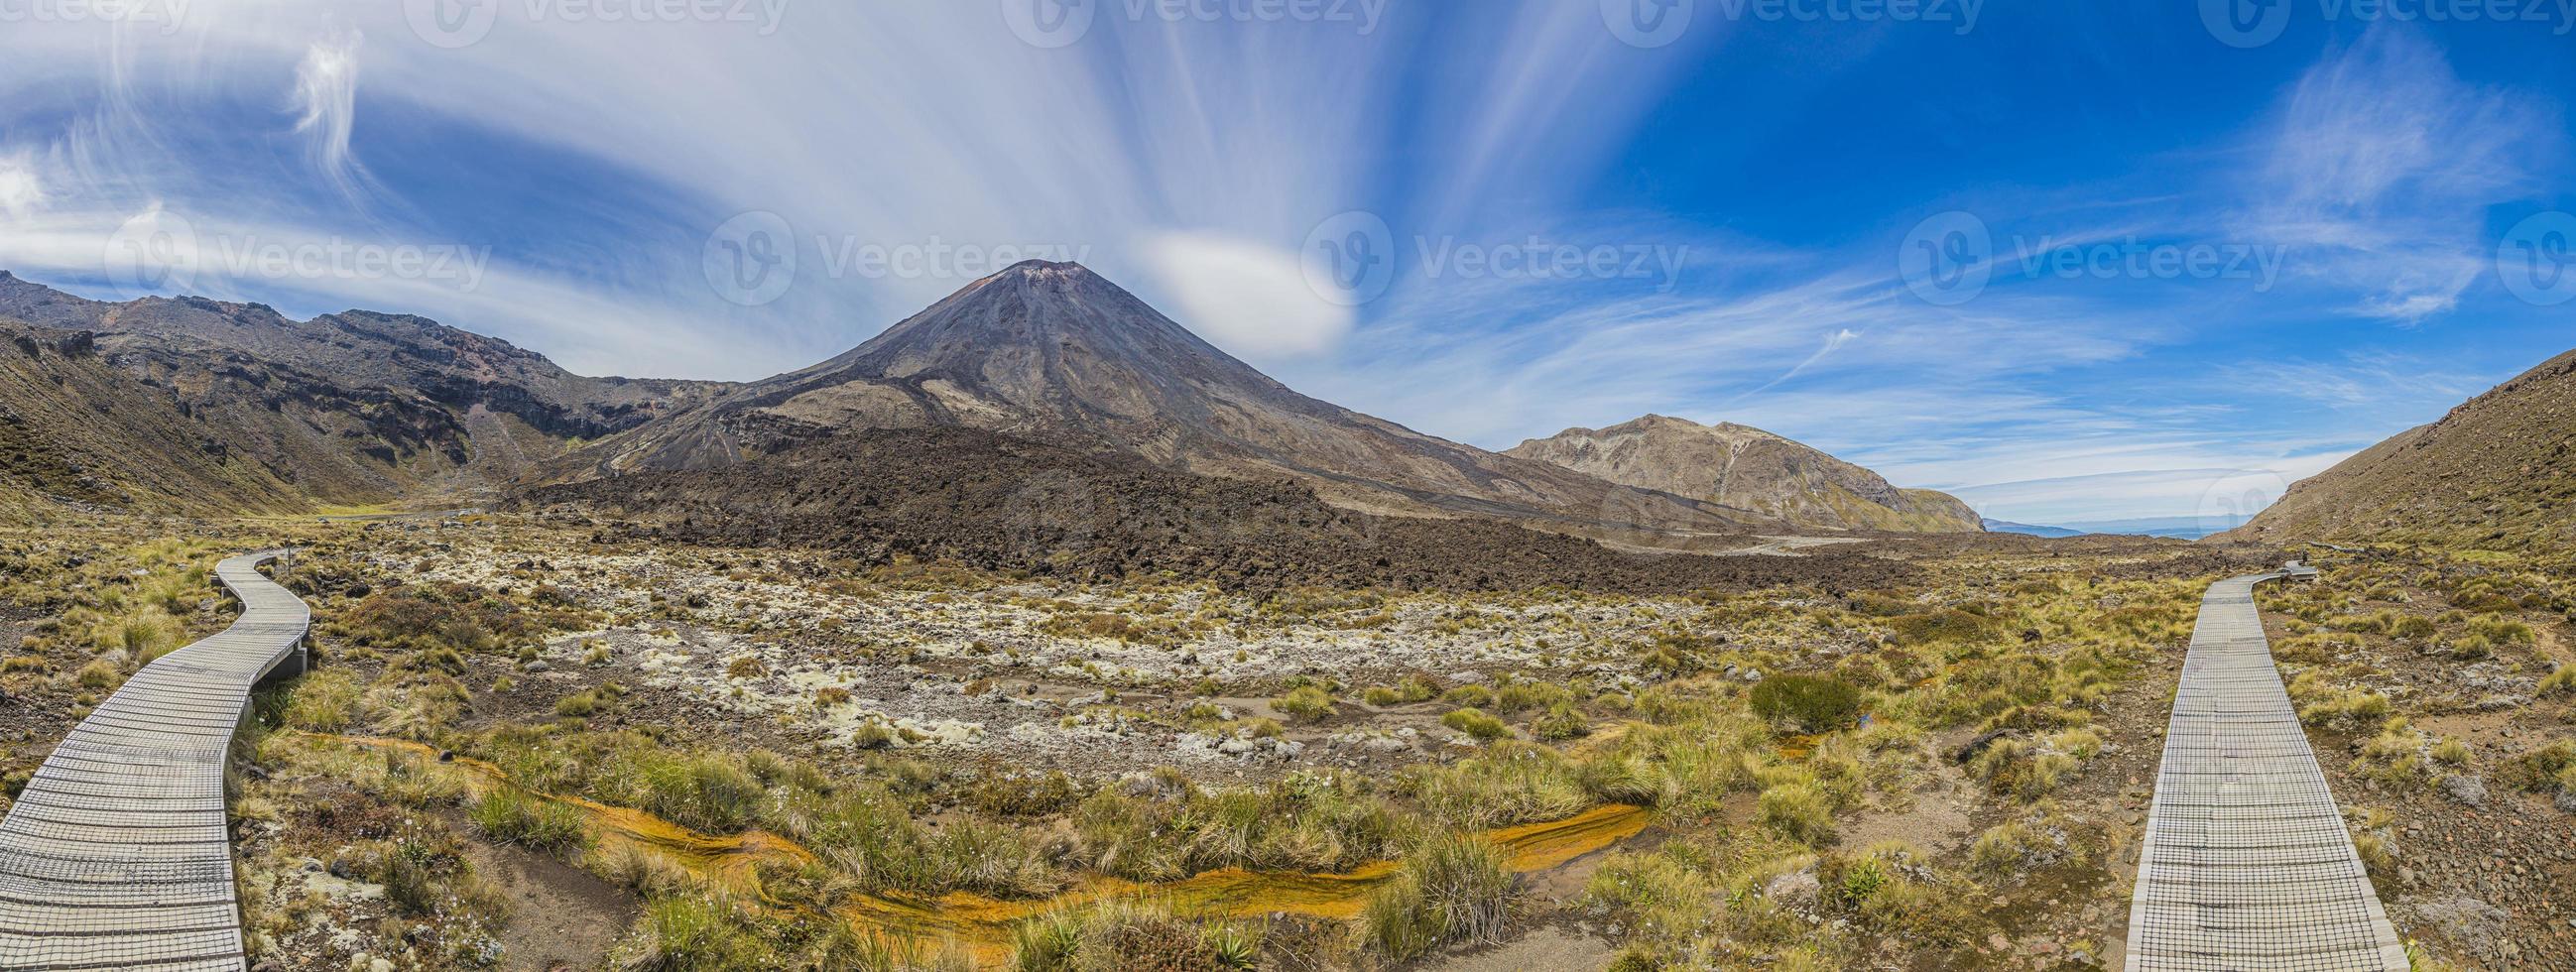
1744	468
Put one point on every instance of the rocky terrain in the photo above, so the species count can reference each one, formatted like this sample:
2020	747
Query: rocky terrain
1745	468
2496	473
993	502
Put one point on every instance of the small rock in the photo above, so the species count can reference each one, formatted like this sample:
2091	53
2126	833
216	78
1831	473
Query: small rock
2467	790
1794	888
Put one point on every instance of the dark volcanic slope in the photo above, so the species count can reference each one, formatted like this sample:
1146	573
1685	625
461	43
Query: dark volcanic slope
2498	472
1053	352
934	494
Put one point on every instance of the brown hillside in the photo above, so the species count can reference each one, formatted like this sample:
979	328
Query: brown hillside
2498	472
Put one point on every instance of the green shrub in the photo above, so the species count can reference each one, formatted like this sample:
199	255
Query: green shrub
1808	702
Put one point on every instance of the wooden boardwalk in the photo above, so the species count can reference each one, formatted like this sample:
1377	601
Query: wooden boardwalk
2247	865
115	856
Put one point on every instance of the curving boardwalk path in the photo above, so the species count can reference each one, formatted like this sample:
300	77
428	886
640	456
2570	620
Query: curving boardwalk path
115	856
2247	865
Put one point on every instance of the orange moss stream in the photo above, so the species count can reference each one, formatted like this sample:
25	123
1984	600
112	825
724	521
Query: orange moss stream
980	924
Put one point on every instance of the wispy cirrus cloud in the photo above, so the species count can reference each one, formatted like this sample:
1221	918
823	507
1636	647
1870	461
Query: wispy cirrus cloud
2381	163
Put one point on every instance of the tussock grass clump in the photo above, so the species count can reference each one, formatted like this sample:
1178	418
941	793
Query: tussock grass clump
2029	769
1801	811
2038	842
2551	767
1122	935
1306	703
689	933
1475	723
324	701
100	675
1306	822
590	702
1521	696
1451	888
1807	702
2560	682
1562	722
507	816
1945	626
1469	696
648	874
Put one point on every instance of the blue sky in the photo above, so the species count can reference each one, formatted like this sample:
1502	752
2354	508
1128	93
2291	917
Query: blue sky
2069	261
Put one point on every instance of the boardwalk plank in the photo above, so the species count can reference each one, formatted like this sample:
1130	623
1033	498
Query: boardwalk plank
115	856
2247	866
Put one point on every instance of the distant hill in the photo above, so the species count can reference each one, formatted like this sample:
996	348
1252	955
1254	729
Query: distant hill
2008	526
1745	468
195	405
2498	472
